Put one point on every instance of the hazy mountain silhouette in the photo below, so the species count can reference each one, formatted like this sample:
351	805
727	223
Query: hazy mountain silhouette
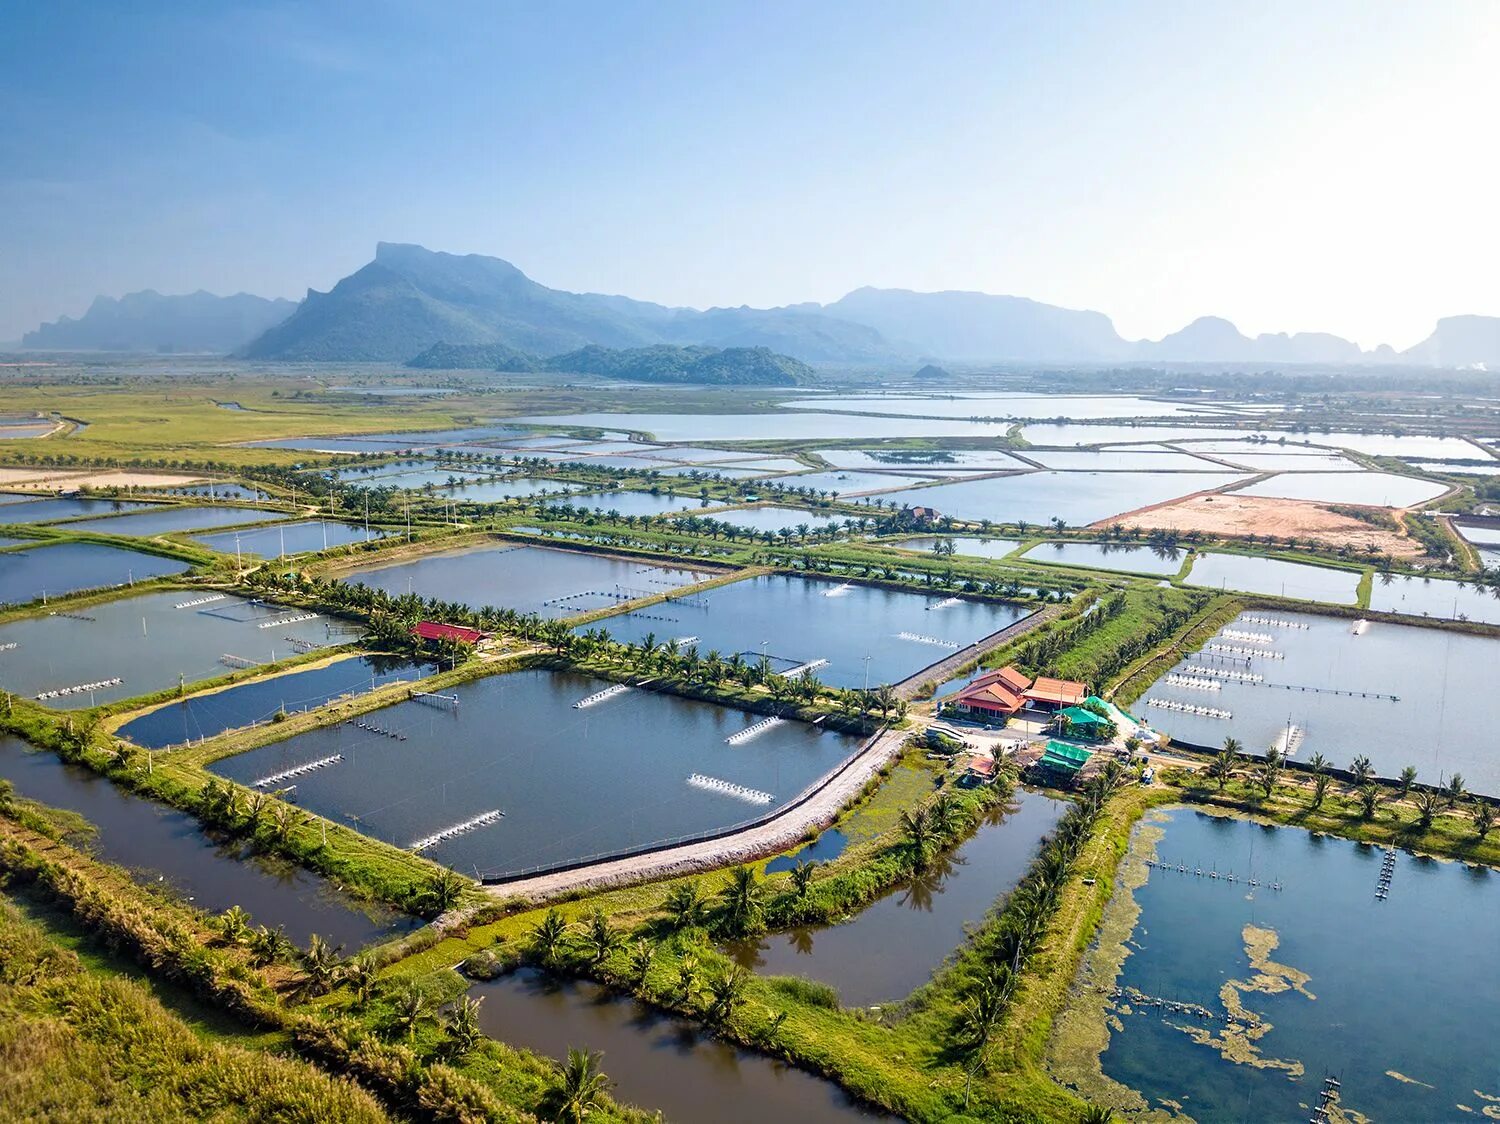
149	321
1460	341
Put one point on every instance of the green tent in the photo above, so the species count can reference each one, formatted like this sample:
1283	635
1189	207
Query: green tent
1085	721
1065	758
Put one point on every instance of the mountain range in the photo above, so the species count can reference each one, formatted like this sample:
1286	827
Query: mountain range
149	321
409	299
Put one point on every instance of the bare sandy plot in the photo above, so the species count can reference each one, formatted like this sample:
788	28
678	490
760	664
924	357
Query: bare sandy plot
56	480
1232	514
124	479
37	479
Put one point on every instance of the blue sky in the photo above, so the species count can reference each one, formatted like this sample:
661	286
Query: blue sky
1293	166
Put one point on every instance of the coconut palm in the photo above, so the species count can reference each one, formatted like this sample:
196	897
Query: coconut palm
1407	778
1453	791
600	939
1320	789
267	945
742	897
463	1028
412	1010
1222	768
1428	805
686	905
547	937
1361	770
322	964
726	990
1267	776
642	953
1369	798
802	876
1482	812
1317	763
1097	1114
582	1089
444	889
687	976
917	827
360	974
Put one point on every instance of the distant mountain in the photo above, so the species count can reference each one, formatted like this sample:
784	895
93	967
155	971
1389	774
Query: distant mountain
1210	339
474	357
1460	341
800	330
978	326
732	366
149	321
932	372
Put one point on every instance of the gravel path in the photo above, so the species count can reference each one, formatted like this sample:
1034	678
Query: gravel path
767	838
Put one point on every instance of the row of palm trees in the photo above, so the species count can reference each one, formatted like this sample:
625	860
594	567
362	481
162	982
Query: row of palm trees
1230	762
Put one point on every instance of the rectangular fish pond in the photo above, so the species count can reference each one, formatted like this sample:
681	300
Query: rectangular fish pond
627	769
1227	1001
528	579
798	621
774	520
1399	694
166	519
1435	597
248	704
163	845
1120	558
1247	574
281	539
141	644
629	503
49	510
972	546
52	571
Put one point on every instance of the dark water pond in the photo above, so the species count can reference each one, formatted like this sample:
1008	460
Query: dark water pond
43	511
1401	1002
572	782
828	846
51	571
891	948
165	520
1273	576
162	843
1437	677
246	704
970	545
529	579
1109	556
1434	597
148	642
797	620
282	539
656	1061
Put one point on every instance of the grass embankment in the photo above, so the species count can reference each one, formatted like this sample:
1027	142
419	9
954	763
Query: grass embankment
415	1058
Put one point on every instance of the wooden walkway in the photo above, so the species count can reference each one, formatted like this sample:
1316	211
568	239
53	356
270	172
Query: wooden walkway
946	668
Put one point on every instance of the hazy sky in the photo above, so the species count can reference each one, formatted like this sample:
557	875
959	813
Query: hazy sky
1308	165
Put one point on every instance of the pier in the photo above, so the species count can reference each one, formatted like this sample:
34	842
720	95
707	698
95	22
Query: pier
484	819
601	696
229	660
750	731
432	698
298	770
729	788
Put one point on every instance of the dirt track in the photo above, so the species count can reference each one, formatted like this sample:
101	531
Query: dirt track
764	839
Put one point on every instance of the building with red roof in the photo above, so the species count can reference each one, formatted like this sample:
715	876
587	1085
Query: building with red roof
1004	692
430	631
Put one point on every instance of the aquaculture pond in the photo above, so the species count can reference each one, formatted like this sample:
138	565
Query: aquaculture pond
146	642
828	846
922	460
246	704
797	621
844	483
282	539
785	426
52	571
1279	989
571	782
1007	406
1434	597
497	488
213	491
44	511
408	475
774	519
1334	680
1074	497
975	546
394	442
528	579
657	1062
1376	489
162	844
890	948
1148	458
1164	560
164	520
1246	574
630	503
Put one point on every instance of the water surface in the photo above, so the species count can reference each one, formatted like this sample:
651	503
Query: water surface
161	843
1074	497
1110	556
972	545
281	539
572	782
52	571
43	511
1272	576
1377	489
1435	597
164	520
1399	1003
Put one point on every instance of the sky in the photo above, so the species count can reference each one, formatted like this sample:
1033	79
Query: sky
1321	165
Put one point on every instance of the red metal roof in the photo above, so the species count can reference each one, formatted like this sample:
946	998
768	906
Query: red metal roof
431	630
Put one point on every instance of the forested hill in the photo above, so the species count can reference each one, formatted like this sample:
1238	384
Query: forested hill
699	365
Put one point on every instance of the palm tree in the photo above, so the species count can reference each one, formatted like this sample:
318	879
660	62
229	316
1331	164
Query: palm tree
583	1088
600	939
1222	768
463	1028
412	1010
1267	777
322	964
1320	789
1362	771
642	953
1428	806
1369	797
726	990
547	937
686	905
917	827
359	973
444	889
687	976
742	896
1317	763
1453	791
268	945
1482	812
1406	780
802	876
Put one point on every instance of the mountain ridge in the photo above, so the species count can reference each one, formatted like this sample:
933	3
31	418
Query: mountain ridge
147	320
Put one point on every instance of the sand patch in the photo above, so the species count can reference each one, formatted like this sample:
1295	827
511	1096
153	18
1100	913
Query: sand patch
1238	516
124	479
